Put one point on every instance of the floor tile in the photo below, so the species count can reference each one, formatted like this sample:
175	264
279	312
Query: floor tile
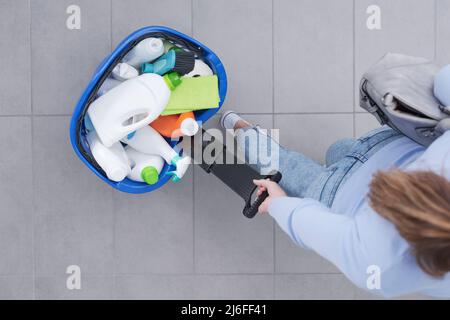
312	134
313	286
226	241
15	95
92	288
291	258
240	33
16	196
234	287
443	31
156	287
63	60
154	231
364	122
313	55
128	16
16	288
367	295
74	209
407	26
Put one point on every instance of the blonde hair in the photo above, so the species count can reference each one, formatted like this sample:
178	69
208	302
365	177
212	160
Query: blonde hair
418	204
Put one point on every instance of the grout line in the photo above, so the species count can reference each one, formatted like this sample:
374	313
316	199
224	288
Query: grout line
51	115
114	212
273	59
150	274
273	126
95	275
298	113
354	68
220	274
17	115
436	17
111	25
194	262
218	113
192	18
33	179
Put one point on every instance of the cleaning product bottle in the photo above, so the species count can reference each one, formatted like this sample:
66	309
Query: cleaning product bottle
176	125
145	51
123	71
131	105
112	160
148	140
179	61
107	85
144	167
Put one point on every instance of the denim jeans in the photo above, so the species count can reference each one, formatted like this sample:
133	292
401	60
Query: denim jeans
302	176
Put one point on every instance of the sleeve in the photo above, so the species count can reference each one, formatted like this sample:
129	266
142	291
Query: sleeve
312	225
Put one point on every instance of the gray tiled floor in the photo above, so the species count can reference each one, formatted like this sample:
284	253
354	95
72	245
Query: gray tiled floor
63	60
291	65
15	57
128	16
16	219
242	32
442	31
313	56
154	232
93	287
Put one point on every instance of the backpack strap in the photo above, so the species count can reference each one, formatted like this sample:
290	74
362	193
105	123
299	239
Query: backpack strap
367	103
445	109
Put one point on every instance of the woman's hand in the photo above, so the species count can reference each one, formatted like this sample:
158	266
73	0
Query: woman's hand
272	188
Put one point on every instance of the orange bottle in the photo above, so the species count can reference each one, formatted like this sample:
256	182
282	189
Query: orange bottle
176	125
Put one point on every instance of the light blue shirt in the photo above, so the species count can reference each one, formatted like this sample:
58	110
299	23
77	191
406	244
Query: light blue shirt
354	237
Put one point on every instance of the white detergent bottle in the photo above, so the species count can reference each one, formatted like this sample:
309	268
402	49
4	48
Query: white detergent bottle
144	167
112	160
131	105
123	71
148	140
145	51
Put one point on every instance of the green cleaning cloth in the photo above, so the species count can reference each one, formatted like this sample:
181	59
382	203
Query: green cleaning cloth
194	93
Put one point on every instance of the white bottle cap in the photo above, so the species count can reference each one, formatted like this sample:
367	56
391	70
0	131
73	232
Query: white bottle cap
189	127
123	71
155	45
117	174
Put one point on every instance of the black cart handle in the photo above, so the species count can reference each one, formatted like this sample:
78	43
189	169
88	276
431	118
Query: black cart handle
251	209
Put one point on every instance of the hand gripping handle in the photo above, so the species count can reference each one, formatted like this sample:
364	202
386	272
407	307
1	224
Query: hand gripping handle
251	208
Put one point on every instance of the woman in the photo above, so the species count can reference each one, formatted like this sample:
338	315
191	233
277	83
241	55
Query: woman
380	207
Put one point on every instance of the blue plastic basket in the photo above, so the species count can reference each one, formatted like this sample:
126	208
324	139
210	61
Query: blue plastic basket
77	130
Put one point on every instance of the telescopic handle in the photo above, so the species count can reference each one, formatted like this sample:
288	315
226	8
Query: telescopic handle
251	208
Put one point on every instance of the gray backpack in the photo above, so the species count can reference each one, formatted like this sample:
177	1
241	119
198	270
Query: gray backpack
398	91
